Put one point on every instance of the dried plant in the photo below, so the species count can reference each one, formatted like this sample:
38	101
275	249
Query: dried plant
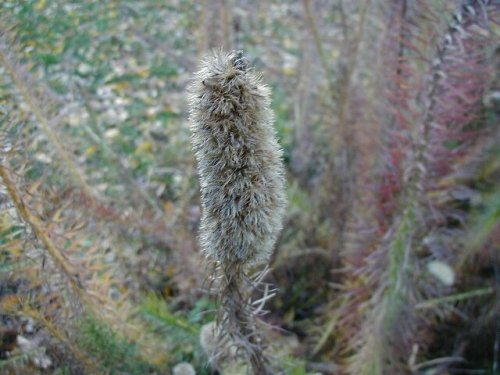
242	185
434	103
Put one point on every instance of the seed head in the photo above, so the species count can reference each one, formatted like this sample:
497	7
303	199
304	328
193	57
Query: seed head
239	161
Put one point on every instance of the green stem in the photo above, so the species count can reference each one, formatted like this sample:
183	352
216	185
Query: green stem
454	298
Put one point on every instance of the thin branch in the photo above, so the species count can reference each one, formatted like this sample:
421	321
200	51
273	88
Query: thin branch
319	47
40	232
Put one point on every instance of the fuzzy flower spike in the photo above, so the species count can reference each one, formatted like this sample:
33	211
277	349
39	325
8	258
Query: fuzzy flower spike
239	161
242	183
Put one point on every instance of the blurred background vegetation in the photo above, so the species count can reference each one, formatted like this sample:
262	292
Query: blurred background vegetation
387	112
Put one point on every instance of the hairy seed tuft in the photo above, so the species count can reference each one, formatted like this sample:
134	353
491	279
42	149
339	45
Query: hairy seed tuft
239	161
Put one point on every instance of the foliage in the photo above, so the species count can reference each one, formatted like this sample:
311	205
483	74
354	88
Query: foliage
112	353
387	113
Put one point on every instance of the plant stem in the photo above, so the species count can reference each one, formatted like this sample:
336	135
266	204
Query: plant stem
454	298
237	319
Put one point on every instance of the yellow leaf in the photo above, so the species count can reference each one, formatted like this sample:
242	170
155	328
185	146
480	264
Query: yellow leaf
90	151
170	271
289	70
40	5
121	86
144	147
16	250
5	221
168	207
143	73
9	302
